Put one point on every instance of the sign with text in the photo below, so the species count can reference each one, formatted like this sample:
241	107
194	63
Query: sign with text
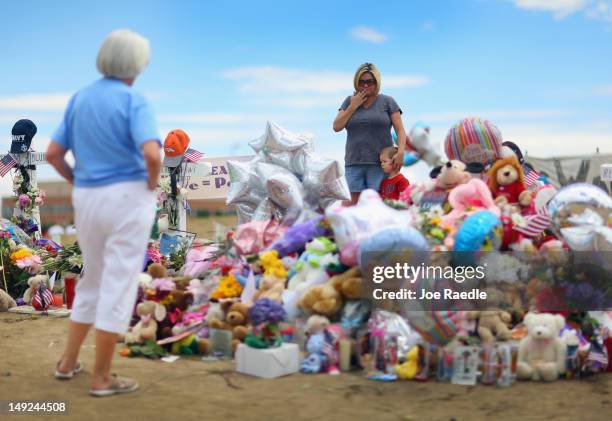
593	169
216	184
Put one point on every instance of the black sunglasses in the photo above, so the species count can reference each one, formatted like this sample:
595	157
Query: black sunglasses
368	82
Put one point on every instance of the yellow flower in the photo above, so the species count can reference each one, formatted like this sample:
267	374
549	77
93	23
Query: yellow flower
436	220
228	287
20	254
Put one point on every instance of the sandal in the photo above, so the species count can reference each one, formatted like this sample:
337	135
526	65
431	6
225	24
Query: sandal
119	385
78	367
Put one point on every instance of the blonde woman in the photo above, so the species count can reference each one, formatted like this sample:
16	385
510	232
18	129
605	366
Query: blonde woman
368	116
110	130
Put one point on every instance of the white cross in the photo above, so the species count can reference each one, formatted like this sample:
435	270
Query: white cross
27	159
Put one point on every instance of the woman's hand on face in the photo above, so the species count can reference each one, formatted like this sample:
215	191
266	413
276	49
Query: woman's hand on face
358	99
398	160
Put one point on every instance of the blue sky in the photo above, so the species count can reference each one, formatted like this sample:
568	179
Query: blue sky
540	69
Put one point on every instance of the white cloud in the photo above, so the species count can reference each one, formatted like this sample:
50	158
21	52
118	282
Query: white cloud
42	102
365	33
300	88
428	25
267	79
594	9
494	115
603	90
231	118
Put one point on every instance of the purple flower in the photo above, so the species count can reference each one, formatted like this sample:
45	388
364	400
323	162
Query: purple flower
24	200
584	296
266	311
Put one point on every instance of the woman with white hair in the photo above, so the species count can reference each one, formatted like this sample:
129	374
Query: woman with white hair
367	116
111	131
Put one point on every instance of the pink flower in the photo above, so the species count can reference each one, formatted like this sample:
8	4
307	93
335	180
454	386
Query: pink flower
24	200
31	263
41	197
154	255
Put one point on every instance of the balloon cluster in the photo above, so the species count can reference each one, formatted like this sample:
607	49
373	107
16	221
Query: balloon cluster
286	180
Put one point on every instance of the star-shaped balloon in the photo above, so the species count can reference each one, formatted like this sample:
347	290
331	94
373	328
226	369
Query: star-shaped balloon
324	181
282	147
245	185
283	188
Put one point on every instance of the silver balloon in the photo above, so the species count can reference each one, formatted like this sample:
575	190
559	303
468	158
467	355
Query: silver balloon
324	181
580	214
245	212
245	185
277	139
283	188
267	210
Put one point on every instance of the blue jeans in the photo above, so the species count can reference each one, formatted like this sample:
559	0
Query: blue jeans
363	176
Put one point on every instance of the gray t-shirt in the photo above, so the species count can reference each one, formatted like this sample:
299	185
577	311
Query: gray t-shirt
369	130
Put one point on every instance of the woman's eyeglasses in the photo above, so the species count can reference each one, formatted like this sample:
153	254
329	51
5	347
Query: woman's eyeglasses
366	82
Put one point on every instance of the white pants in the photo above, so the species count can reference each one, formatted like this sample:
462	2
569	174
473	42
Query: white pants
113	227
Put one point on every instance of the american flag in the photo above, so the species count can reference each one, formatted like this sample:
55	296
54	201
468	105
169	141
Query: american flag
191	155
42	299
536	224
6	163
531	177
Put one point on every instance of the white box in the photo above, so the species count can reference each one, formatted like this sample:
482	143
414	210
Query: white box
268	363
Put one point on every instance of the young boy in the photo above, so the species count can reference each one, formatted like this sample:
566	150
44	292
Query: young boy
395	183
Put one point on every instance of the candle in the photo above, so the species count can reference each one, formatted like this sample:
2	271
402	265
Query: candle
58	300
345	354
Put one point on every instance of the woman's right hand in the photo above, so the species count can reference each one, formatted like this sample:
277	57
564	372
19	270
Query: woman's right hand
358	99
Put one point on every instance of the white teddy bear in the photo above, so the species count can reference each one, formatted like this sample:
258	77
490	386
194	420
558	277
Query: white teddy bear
542	353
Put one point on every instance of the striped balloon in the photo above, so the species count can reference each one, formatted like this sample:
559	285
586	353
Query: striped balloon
473	140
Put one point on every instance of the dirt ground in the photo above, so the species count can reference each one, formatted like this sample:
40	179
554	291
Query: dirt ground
193	389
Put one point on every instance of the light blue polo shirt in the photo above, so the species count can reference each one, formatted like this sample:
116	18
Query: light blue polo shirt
104	126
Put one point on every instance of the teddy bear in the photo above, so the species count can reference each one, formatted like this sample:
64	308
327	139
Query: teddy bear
321	299
492	323
270	287
507	182
34	284
542	353
6	301
348	283
150	313
236	320
321	346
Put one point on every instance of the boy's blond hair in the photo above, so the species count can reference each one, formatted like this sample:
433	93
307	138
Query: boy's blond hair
389	151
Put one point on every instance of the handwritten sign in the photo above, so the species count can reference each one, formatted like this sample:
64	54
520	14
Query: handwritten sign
31	158
215	185
201	169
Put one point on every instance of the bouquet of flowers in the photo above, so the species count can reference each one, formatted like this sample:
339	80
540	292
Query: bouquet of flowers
265	315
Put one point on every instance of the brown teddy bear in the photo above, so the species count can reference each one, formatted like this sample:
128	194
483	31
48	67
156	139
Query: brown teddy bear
150	313
326	299
236	320
157	270
321	299
507	182
349	283
492	323
270	287
6	301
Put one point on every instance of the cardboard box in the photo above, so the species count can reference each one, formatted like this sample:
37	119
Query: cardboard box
268	363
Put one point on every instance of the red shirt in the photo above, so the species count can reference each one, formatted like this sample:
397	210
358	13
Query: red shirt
390	188
511	191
